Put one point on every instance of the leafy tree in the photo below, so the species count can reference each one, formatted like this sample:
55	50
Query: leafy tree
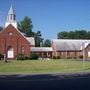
25	26
88	35
1	28
38	39
83	34
62	35
71	35
77	34
47	43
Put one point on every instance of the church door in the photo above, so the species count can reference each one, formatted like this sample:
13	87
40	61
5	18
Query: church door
10	52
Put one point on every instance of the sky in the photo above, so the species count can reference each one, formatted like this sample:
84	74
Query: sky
50	16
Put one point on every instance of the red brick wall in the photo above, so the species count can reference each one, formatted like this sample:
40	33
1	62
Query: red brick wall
65	54
69	54
16	40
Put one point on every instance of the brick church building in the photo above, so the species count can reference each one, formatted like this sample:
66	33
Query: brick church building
12	41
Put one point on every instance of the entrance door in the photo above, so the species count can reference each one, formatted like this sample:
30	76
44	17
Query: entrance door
88	53
10	52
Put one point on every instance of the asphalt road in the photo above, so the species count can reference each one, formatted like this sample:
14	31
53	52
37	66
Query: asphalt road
45	82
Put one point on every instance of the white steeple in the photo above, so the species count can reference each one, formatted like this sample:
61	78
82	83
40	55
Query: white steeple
11	11
11	18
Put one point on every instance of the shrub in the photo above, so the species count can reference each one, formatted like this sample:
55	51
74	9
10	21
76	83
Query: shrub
27	58
81	56
74	57
33	56
56	57
69	57
1	56
20	57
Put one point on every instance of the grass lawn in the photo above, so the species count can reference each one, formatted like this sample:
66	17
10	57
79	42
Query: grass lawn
42	66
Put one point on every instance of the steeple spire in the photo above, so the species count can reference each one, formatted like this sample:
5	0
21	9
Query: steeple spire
11	18
11	10
11	14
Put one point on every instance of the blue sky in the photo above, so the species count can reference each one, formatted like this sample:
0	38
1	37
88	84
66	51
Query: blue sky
50	16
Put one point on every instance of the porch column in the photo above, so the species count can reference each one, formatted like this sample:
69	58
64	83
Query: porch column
42	54
66	54
78	54
47	54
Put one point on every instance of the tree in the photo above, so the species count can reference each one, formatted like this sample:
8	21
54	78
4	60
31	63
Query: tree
47	43
1	28
77	34
38	38
25	26
83	34
62	35
71	35
80	34
88	35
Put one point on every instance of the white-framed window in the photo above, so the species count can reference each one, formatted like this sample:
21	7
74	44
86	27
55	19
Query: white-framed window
88	53
10	33
10	52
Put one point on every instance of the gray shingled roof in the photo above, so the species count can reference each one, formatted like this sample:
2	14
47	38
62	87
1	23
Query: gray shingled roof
41	49
69	44
31	40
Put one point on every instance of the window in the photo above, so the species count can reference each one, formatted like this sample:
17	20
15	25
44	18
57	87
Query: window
10	33
10	52
89	54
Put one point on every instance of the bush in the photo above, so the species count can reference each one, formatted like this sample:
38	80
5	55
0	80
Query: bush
1	56
69	57
20	57
27	58
56	57
33	56
81	56
74	57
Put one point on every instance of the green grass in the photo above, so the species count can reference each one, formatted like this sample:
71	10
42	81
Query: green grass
42	66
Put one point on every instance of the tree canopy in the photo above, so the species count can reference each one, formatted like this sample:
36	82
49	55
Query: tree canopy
1	28
26	26
47	43
77	34
38	38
